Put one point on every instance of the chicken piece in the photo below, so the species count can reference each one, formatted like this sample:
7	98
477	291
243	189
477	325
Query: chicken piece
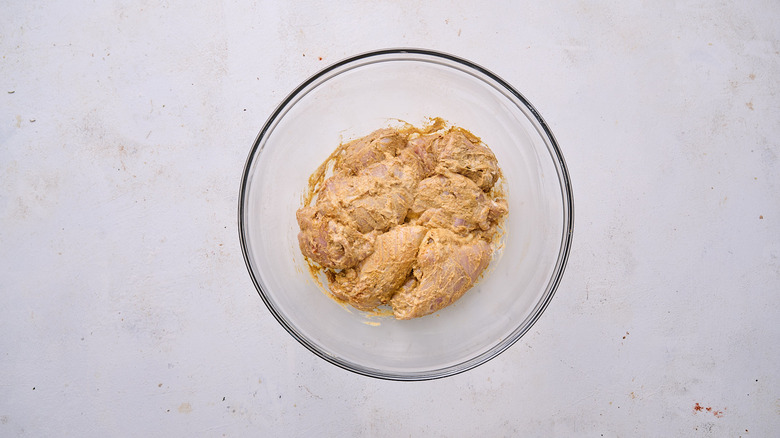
447	266
349	208
456	153
376	278
330	243
375	199
454	202
498	208
423	147
373	148
405	170
413	169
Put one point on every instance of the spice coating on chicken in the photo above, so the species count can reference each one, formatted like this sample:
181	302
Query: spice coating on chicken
447	266
454	202
408	218
373	148
457	154
331	243
373	282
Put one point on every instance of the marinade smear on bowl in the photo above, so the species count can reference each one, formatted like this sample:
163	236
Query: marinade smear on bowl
405	217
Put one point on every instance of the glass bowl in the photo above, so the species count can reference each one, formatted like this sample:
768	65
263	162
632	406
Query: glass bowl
350	99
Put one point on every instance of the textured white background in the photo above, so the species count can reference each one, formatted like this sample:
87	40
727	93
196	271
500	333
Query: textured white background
125	306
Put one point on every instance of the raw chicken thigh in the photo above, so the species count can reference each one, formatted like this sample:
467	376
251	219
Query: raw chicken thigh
454	202
447	266
407	219
376	278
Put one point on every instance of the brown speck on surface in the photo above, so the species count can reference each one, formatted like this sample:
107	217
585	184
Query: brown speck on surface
159	385
185	408
697	407
752	76
760	217
749	105
319	58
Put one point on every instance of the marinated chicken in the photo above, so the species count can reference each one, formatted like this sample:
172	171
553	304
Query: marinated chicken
454	202
447	266
407	218
374	281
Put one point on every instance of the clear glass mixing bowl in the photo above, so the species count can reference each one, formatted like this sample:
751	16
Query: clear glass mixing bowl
353	98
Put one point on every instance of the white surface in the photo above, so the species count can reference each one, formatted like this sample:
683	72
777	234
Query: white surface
126	308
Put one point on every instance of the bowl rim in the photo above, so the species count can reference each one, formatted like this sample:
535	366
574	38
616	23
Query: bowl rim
563	178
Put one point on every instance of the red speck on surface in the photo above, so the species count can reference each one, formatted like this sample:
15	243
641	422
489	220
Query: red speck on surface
718	414
320	58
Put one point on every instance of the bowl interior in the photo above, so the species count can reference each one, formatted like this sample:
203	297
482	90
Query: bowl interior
350	100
